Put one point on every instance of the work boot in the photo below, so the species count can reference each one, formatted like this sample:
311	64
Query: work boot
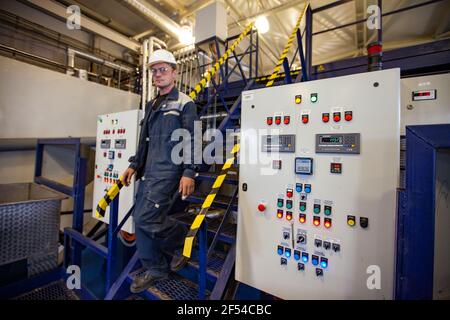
178	262
143	281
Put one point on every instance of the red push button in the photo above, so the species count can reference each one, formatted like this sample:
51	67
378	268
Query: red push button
289	193
277	120
337	116
305	118
269	121
261	207
348	115
325	117
287	119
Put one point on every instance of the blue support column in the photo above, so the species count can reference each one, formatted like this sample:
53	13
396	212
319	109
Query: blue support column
78	200
287	72
309	41
112	242
203	248
304	75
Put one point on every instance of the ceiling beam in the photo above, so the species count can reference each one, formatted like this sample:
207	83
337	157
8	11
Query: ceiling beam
59	11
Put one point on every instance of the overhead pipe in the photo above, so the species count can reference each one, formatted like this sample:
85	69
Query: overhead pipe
155	16
71	53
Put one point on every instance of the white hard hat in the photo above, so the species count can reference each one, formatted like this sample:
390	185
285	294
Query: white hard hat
162	55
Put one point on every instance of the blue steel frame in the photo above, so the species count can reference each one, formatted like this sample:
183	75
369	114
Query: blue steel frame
416	214
77	191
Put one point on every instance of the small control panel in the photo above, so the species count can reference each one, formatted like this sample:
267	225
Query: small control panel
338	143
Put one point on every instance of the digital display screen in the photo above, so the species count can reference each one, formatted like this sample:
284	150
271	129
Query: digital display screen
303	165
332	139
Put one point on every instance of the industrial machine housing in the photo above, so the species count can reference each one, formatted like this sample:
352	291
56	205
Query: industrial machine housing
319	221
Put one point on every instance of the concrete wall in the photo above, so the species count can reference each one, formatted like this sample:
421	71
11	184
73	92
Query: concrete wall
37	103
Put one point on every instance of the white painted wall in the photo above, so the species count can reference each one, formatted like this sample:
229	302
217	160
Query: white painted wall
38	103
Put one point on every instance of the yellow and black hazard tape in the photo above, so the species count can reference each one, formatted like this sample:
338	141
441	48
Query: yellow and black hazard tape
189	241
108	197
285	51
202	84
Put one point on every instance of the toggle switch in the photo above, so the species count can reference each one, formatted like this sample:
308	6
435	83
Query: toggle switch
300	266
318	243
326	245
336	247
319	272
283	261
301	238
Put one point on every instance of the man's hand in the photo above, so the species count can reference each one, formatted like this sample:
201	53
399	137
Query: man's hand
127	175
187	186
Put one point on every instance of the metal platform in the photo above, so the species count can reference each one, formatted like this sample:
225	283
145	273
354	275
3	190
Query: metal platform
220	201
56	290
173	288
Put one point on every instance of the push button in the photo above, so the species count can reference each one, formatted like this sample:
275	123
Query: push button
351	220
364	222
324	262
315	260
317	208
307	188
296	255
302	206
289	193
305	257
327	210
289	204
280	250
299	187
298	99
280	203
287	253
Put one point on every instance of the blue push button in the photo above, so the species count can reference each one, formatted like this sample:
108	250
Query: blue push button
296	255
287	252
305	257
299	187
280	250
324	263
307	188
315	260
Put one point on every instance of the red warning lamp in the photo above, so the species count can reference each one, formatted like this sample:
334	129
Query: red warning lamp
287	119
337	116
269	121
305	118
327	223
348	115
288	216
316	221
325	117
277	120
280	214
302	218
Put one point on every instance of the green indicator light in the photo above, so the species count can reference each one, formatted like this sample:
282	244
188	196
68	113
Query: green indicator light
314	97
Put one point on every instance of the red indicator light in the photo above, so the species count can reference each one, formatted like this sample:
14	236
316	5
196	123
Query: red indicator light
337	116
302	218
327	223
348	115
316	221
280	214
305	118
325	117
269	121
261	207
277	120
289	193
288	216
287	119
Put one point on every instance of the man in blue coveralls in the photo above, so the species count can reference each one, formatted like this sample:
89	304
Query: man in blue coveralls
160	176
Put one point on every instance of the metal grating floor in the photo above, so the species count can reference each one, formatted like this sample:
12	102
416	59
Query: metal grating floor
53	291
215	265
172	288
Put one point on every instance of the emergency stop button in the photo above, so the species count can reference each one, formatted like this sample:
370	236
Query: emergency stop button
262	207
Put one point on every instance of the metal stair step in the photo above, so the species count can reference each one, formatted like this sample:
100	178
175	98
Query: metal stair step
174	287
220	201
231	178
214	267
227	235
